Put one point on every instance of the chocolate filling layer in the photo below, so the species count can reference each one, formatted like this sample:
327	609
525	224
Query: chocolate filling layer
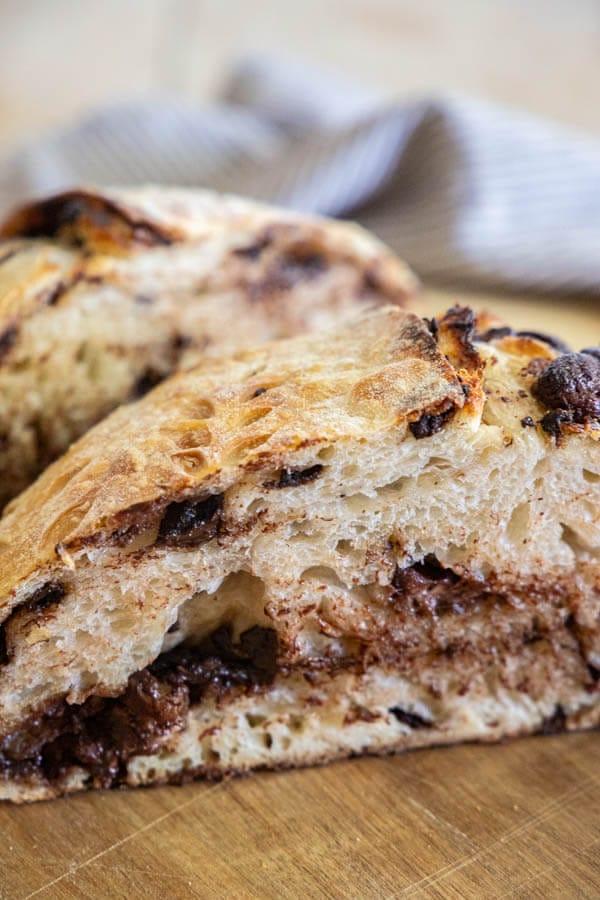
102	734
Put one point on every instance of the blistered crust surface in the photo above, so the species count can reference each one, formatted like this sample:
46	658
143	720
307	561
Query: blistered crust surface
200	428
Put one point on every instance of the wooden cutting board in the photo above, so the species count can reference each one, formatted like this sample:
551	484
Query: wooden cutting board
519	819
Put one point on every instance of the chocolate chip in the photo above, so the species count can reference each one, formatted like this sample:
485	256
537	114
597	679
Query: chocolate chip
294	477
429	424
49	594
191	522
413	720
7	341
556	723
259	391
527	422
571	382
549	339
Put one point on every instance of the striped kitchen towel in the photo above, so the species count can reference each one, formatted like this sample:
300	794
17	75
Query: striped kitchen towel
467	192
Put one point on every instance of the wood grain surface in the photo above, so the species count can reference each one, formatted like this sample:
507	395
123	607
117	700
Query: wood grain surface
520	819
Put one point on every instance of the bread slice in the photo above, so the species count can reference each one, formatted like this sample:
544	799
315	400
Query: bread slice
102	294
383	537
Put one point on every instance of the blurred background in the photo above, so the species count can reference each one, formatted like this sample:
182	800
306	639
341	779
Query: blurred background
58	58
62	59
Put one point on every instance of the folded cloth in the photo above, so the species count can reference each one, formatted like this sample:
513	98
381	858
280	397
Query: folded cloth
467	192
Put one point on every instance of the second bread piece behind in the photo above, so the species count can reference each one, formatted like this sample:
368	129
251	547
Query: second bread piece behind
102	295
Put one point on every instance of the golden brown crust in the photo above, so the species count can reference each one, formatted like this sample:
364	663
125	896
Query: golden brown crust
193	434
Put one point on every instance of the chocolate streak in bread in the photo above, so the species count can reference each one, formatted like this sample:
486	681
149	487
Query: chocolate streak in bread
431	617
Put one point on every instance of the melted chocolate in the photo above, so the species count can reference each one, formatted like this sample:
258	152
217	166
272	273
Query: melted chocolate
102	734
49	594
430	588
294	477
429	424
571	383
191	522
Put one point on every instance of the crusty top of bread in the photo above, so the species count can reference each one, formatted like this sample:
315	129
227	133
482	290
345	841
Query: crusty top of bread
199	427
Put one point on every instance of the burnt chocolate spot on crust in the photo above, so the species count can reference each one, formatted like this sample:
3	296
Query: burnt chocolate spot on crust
556	723
430	424
191	522
7	340
569	385
413	720
64	215
549	339
527	422
461	319
294	477
49	594
284	272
